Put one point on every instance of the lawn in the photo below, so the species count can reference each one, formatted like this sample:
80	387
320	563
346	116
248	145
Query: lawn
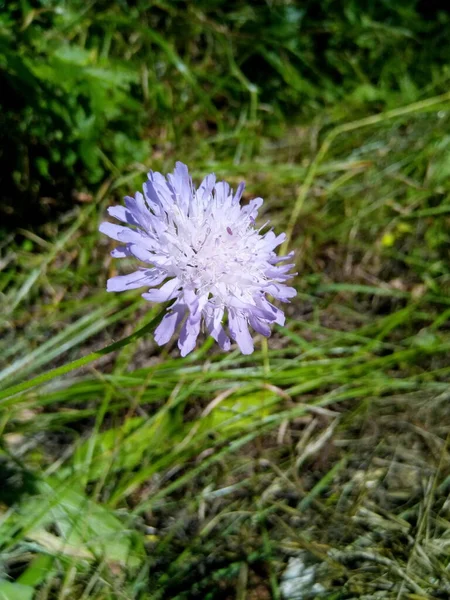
316	467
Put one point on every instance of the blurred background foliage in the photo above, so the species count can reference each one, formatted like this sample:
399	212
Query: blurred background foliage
89	89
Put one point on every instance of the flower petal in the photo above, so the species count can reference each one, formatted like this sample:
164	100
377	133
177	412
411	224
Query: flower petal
275	315
141	278
280	291
218	334
170	322
181	184
270	241
213	321
121	252
221	338
202	301
121	213
190	298
240	333
188	336
130	236
265	313
240	190
205	188
112	230
259	326
147	256
164	293
251	210
141	253
222	194
137	207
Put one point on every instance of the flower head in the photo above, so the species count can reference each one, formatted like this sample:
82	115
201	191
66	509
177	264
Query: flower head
204	248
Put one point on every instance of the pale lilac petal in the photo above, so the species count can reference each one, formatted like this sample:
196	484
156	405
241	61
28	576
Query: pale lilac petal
151	195
181	184
217	316
240	333
121	252
164	293
217	332
262	312
251	210
188	336
112	230
277	315
259	325
130	236
206	187
141	214
280	272
190	298
158	193
275	259
222	192
200	304
281	319
238	195
141	253
221	338
123	214
280	291
213	319
141	278
147	256
170	322
271	241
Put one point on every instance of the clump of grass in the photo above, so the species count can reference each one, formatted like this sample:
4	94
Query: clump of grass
145	476
152	476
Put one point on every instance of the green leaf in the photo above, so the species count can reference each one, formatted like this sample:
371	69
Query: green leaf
231	415
85	529
37	571
15	591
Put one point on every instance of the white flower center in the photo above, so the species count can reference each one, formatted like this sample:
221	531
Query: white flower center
215	257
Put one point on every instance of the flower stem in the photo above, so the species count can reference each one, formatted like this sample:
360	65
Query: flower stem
7	393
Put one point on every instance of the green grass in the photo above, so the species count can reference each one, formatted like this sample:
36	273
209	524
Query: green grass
145	475
128	472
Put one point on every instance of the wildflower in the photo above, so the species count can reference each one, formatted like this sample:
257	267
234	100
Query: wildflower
204	249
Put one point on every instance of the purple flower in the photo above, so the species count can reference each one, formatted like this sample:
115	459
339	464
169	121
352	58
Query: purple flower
204	249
